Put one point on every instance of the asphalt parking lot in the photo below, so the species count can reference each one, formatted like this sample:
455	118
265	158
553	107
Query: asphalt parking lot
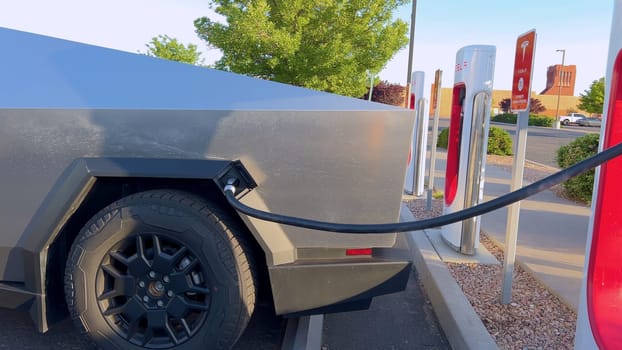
400	321
396	321
17	332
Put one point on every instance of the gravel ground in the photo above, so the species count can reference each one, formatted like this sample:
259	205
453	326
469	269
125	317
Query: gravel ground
536	319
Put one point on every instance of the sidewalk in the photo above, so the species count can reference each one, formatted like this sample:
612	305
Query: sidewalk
551	236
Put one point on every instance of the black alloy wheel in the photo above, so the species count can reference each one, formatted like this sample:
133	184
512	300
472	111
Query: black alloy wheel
161	270
152	290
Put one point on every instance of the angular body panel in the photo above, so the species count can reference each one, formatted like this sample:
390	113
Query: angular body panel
312	154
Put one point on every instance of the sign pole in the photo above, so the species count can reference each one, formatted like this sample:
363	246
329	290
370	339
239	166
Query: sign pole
511	233
411	44
521	96
436	105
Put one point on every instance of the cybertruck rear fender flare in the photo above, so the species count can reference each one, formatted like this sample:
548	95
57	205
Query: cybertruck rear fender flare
74	186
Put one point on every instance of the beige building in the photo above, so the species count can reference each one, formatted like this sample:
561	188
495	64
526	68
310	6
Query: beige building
567	104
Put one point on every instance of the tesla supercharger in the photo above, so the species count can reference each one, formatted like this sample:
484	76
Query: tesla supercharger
415	173
599	324
467	143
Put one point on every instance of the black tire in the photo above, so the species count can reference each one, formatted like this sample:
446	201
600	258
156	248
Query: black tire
565	122
161	269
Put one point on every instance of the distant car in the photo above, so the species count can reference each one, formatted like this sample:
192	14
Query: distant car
571	118
589	122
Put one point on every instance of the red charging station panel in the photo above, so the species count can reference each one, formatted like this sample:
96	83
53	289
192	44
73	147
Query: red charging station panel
453	143
604	281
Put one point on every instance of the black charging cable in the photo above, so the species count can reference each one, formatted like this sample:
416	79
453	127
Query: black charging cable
477	210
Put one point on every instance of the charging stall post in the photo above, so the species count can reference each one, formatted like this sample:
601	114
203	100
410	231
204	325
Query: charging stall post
467	144
415	172
600	305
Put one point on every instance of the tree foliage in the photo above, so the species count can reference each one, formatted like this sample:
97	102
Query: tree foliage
169	48
505	105
385	92
592	99
535	105
325	45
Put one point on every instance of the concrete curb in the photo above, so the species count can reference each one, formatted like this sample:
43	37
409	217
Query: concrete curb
462	326
542	165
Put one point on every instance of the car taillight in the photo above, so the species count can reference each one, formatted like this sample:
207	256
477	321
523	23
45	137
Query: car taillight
358	251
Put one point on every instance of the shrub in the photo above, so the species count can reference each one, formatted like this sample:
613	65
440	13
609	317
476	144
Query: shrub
534	119
504	118
499	141
443	138
579	187
540	120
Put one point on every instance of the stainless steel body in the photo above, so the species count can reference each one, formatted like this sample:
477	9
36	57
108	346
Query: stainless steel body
312	154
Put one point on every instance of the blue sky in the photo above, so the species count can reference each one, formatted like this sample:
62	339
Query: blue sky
442	27
581	27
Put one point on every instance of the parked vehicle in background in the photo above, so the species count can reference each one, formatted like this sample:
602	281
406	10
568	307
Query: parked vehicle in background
571	118
589	122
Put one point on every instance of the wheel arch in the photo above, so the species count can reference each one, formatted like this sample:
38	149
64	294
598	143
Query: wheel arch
87	186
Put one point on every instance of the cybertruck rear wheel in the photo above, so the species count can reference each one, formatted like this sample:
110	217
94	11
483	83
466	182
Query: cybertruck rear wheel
160	270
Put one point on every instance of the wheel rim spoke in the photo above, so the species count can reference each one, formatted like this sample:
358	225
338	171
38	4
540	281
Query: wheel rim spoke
161	260
177	308
114	311
181	252
171	333
157	319
132	328
147	336
182	283
193	305
112	271
187	327
124	285
139	264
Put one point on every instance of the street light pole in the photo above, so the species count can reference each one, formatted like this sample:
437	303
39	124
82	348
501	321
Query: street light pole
410	52
559	91
371	84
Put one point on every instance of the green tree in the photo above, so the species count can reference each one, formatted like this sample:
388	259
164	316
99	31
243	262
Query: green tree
169	48
592	99
325	45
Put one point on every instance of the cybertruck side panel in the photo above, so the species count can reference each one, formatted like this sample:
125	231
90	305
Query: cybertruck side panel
338	166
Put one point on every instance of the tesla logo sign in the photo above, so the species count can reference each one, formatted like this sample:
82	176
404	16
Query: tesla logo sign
461	66
523	63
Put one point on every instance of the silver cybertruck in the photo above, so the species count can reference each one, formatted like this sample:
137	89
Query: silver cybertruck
112	210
